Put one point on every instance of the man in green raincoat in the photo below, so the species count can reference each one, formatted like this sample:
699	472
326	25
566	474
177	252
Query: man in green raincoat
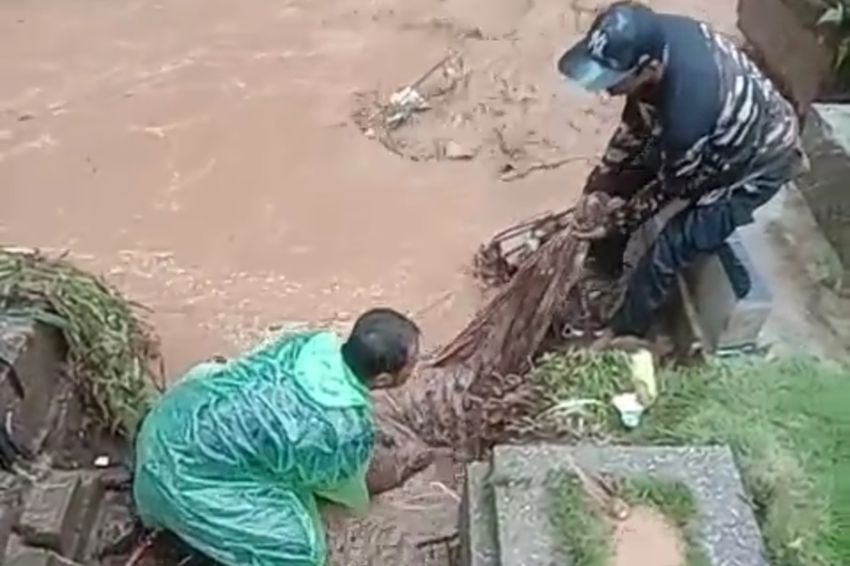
232	458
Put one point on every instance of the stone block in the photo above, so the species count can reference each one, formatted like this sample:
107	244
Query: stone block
39	557
52	511
727	526
478	538
60	511
37	354
114	529
11	503
787	49
525	531
826	139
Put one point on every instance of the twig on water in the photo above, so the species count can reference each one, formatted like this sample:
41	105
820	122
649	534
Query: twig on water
516	174
433	69
432	305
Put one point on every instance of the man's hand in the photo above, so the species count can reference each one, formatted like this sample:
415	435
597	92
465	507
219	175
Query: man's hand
592	217
597	233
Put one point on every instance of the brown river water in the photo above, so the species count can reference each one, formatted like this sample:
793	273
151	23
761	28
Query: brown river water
201	153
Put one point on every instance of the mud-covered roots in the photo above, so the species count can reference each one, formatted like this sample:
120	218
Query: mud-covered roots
474	389
509	330
497	261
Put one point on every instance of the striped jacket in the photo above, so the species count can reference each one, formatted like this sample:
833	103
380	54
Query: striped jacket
716	126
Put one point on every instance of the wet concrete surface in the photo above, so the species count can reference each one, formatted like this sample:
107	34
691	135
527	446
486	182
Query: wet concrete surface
201	154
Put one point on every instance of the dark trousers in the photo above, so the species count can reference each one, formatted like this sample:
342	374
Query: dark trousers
695	231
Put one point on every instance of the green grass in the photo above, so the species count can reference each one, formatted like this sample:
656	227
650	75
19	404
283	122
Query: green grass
676	502
586	535
577	389
583	534
787	422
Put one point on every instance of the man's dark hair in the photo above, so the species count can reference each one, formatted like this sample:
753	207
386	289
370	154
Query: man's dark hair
381	341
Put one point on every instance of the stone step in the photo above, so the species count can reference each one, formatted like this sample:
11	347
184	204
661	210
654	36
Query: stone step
726	320
707	307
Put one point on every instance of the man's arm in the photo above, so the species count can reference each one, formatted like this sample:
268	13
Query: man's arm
623	166
638	209
683	173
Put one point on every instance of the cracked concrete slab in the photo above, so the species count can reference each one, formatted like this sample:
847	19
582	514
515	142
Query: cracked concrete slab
505	520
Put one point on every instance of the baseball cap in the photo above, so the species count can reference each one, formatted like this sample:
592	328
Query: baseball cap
622	39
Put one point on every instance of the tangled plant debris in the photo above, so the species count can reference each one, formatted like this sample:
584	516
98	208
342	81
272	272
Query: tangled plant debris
113	353
381	119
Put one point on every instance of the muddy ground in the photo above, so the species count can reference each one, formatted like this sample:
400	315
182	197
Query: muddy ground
202	153
647	538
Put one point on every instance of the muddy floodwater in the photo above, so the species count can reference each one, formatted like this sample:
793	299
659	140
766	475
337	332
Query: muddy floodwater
202	156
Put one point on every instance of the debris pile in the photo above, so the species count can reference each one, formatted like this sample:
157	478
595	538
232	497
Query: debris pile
452	112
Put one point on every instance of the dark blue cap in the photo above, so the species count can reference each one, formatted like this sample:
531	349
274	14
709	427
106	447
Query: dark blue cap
622	39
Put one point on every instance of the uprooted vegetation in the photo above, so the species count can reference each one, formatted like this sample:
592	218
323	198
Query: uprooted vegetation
456	112
113	353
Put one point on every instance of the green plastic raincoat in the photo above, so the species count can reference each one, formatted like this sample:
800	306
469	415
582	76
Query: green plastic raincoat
231	458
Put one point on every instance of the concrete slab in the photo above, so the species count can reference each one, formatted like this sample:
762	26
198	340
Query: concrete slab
727	526
59	512
478	537
525	532
31	557
51	513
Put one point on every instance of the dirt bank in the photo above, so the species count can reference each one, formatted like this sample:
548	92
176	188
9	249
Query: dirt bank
202	153
646	538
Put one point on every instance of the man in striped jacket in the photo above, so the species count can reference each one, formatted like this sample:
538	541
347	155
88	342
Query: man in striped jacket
701	124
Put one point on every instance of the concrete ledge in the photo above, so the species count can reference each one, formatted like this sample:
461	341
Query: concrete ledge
826	139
